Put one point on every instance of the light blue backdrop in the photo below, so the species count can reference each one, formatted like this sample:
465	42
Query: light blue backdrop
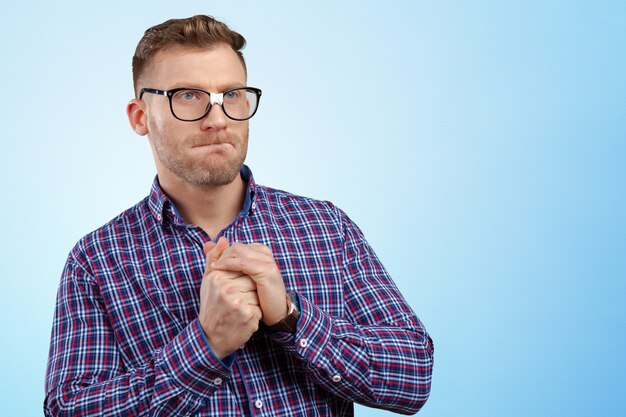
481	146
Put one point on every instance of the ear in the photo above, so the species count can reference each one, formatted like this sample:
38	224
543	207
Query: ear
137	116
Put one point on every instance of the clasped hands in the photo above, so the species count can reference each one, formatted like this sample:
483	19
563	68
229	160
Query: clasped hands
241	286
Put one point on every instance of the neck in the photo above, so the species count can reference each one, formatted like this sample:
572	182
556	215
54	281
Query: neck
211	208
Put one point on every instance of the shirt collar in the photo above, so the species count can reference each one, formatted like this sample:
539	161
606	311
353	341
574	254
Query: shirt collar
162	207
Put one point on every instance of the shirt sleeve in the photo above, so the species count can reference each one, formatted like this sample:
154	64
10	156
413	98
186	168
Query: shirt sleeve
86	374
378	353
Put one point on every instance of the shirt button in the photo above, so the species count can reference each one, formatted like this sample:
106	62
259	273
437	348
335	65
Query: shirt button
258	404
217	381
336	378
159	217
303	343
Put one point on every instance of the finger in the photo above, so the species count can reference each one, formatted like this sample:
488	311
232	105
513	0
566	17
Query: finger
218	249
222	243
245	258
261	248
250	298
251	264
256	313
227	275
208	246
244	284
250	249
241	284
214	250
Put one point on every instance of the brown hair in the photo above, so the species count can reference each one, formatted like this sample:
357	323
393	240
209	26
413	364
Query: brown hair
198	32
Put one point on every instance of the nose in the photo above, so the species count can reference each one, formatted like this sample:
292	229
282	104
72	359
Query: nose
215	119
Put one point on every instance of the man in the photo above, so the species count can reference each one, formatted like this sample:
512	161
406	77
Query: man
215	295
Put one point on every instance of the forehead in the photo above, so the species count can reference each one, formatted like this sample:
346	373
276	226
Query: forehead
212	69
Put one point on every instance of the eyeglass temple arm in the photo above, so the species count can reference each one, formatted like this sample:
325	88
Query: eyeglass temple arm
153	91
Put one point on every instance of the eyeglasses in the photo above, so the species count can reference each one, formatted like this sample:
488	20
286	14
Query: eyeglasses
191	104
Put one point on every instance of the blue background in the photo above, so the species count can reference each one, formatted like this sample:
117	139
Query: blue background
481	146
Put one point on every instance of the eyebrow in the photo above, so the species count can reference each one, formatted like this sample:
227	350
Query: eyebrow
226	87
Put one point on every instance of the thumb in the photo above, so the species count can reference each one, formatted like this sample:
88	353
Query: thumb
208	247
213	251
222	244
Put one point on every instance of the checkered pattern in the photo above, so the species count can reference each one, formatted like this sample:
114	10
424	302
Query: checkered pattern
126	340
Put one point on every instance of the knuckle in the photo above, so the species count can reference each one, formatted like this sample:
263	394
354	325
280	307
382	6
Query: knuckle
223	293
237	247
253	313
213	276
262	248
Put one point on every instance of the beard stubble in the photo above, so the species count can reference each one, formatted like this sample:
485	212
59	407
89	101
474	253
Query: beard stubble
205	171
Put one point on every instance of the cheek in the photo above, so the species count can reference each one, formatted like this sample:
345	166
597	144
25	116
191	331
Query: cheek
156	123
159	117
242	130
161	128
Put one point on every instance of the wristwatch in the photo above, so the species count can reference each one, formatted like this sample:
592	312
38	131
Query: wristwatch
288	324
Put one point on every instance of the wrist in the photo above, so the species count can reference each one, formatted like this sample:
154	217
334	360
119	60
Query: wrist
289	321
214	344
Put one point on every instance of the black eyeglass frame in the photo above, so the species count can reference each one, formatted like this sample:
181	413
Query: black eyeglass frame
170	93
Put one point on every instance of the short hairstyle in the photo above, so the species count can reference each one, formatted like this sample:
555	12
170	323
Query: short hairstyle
200	31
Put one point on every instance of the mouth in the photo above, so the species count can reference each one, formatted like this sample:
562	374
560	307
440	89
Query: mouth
215	146
212	144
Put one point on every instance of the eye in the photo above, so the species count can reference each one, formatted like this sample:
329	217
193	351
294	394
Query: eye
232	95
186	95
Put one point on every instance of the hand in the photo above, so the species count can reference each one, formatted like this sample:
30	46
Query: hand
229	305
256	261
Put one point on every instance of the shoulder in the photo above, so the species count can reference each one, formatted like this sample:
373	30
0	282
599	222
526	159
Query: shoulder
112	235
280	201
291	209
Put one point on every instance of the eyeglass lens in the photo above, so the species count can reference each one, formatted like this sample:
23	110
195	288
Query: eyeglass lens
239	104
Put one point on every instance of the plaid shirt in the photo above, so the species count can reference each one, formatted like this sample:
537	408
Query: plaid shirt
126	340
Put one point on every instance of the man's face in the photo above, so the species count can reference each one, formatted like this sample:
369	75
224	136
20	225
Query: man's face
208	152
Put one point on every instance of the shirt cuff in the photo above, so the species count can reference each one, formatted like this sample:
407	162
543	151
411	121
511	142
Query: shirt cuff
227	361
188	362
311	341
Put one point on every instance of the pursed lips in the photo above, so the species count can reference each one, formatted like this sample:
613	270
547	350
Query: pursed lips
213	143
